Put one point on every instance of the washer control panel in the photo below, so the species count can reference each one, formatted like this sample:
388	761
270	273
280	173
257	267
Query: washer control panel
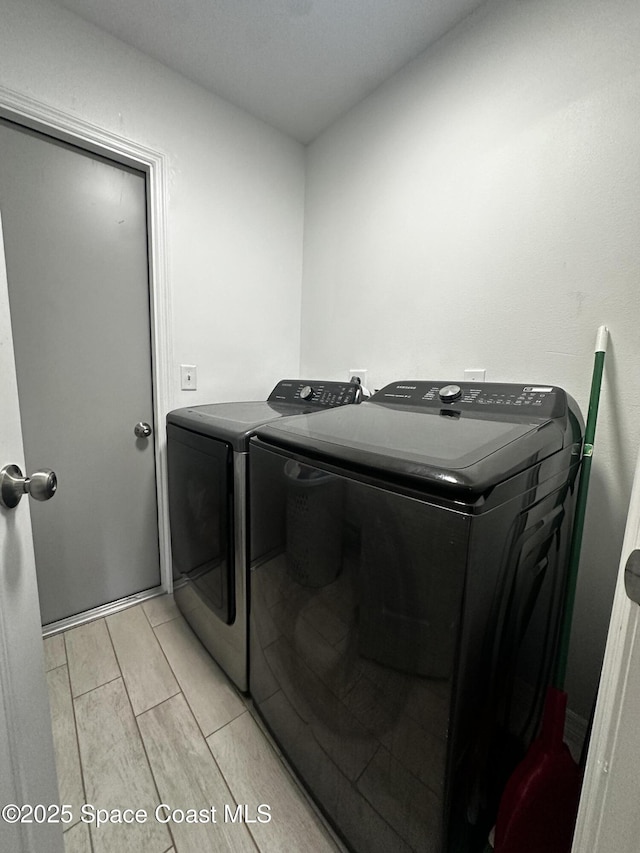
494	397
325	394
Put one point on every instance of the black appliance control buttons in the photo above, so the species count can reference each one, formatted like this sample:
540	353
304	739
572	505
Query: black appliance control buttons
306	392
449	393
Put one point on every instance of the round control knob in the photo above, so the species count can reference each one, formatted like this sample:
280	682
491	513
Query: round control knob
306	392
449	393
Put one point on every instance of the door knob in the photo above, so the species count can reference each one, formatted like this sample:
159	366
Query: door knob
13	485
632	576
142	430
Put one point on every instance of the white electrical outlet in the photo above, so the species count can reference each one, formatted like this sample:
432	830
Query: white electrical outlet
475	375
188	377
360	373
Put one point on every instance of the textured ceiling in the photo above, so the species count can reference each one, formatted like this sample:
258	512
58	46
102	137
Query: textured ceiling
296	64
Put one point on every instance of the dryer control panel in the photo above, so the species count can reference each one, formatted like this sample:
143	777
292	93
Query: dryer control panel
313	392
546	401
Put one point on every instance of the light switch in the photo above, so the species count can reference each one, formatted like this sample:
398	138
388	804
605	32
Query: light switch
188	377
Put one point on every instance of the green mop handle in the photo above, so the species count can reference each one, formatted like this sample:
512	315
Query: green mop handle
581	506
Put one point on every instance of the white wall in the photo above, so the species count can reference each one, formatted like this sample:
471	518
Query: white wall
482	209
236	191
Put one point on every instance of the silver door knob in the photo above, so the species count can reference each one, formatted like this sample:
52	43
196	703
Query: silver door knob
142	430
632	576
13	485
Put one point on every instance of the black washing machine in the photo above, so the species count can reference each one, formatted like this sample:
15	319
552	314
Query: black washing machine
402	628
207	470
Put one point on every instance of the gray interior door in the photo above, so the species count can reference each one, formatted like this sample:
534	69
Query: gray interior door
76	252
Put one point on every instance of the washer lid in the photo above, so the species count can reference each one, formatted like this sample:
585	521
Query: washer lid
451	447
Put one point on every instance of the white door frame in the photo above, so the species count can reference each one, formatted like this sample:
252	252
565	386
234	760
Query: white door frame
26	111
604	778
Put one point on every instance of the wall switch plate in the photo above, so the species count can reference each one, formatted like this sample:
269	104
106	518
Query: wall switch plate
360	373
475	375
188	377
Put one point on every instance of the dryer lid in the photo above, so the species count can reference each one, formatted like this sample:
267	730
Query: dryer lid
230	422
236	422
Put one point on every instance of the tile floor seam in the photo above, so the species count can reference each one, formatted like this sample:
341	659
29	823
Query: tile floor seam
227	783
162	702
173	672
66	651
153	778
53	668
175	675
148	760
97	687
173	845
141	605
109	681
157	639
113	648
149	622
223	726
146	754
75	728
146	616
222	776
164	621
189	705
219	728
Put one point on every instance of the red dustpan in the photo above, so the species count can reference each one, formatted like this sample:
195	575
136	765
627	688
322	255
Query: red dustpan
538	807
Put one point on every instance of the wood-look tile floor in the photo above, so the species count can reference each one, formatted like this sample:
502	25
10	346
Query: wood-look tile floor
142	716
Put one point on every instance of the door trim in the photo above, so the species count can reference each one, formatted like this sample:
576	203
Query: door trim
33	114
607	737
